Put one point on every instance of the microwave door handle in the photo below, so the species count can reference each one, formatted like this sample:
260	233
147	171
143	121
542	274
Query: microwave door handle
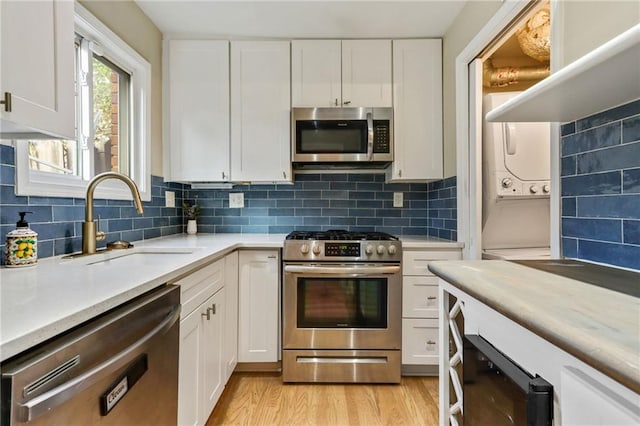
369	136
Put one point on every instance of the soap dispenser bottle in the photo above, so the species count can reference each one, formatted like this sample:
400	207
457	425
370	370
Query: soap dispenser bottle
22	245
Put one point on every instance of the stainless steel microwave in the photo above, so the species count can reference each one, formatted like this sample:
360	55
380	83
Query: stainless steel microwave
342	135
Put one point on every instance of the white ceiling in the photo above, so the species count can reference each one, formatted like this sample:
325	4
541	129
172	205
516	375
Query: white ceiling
303	18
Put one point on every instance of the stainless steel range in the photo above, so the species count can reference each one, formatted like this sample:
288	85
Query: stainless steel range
342	313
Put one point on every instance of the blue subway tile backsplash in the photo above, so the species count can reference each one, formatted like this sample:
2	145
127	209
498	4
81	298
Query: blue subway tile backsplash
58	220
352	201
600	172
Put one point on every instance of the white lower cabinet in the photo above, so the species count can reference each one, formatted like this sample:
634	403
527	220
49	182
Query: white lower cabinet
420	340
206	349
258	326
230	346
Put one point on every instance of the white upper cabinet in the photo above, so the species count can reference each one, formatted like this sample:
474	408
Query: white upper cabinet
417	110
37	69
260	111
316	73
334	73
196	110
366	73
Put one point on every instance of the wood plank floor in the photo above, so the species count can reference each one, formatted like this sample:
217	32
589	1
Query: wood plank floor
262	399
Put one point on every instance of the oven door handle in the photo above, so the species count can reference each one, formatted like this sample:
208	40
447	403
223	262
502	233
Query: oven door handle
348	270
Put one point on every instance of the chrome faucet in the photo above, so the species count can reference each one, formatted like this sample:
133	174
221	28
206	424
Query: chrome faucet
90	233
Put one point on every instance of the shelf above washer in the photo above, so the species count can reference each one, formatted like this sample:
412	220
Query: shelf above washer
606	77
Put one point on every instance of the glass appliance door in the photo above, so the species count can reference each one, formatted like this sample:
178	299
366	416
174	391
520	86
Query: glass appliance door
331	137
342	303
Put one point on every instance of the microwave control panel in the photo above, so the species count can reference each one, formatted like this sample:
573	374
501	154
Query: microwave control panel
381	136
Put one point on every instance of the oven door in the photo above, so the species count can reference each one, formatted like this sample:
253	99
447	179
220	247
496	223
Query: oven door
344	306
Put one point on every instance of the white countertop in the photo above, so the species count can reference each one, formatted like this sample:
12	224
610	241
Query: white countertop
598	326
42	301
418	242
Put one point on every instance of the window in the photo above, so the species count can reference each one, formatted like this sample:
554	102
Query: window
112	89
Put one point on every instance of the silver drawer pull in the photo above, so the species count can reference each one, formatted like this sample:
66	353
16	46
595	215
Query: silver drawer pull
431	298
430	342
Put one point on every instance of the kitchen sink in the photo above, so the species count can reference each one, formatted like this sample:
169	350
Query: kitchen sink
109	255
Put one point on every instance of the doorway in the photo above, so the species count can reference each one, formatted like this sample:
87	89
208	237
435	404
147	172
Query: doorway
496	62
515	164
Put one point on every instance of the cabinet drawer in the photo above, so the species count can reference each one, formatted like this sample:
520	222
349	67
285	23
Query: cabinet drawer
198	286
416	262
420	297
420	341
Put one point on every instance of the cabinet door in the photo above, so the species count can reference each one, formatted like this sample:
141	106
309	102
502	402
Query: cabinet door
196	110
260	111
258	308
315	73
417	110
37	67
366	73
189	372
420	341
230	346
212	319
420	297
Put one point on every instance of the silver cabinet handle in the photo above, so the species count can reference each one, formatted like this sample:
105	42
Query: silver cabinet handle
369	136
213	309
273	256
56	396
224	175
336	102
347	102
284	175
208	313
430	342
431	298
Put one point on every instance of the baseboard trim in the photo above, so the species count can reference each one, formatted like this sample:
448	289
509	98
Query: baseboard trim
258	367
419	370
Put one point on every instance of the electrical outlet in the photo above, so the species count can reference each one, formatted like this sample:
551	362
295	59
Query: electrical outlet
169	199
398	199
236	200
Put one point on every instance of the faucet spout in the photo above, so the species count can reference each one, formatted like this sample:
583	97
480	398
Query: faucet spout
89	233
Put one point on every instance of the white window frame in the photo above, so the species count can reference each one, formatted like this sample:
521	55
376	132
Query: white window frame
36	183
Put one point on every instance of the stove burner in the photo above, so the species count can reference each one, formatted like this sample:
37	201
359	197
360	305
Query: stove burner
340	235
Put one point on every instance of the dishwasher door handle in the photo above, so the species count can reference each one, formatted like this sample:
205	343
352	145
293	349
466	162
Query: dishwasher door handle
56	396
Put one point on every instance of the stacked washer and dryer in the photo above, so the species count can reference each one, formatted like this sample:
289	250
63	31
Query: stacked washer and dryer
516	186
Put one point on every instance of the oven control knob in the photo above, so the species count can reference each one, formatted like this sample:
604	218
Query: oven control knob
392	250
369	249
546	189
533	189
316	250
381	250
304	249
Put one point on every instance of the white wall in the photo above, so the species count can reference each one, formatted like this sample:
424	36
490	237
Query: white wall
128	21
471	19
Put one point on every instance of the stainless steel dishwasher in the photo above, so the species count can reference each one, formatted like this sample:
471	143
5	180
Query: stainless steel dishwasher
118	369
